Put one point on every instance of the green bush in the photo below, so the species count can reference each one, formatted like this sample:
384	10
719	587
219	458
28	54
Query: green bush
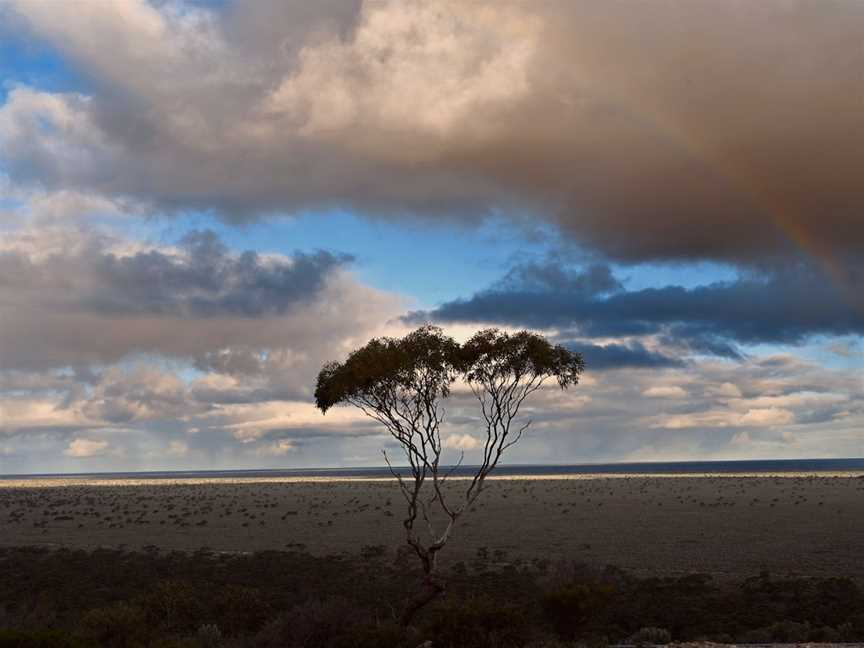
40	639
175	606
372	635
209	636
241	610
779	632
650	636
175	642
321	623
573	607
120	625
97	598
477	623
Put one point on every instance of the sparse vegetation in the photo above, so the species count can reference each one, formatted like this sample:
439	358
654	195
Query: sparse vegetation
77	599
650	637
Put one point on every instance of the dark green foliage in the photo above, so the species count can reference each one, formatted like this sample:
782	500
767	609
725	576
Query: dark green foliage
75	599
334	622
425	359
176	606
575	608
780	632
479	621
175	642
241	610
314	623
650	637
828	601
492	355
673	603
119	625
40	639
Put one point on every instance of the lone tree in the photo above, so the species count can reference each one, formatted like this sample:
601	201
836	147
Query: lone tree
402	382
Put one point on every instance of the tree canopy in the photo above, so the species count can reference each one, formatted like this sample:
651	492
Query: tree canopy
492	354
429	360
424	359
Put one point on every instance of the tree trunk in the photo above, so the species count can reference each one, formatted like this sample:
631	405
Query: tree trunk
433	587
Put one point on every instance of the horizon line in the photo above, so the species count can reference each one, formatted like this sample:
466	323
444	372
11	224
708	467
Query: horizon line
460	467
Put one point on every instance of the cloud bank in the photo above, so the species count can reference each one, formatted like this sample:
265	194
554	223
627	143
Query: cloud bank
788	305
607	118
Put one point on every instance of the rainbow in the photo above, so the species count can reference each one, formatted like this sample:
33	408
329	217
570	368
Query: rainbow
745	179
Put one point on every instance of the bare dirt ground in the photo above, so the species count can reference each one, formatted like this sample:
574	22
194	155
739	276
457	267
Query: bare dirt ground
730	526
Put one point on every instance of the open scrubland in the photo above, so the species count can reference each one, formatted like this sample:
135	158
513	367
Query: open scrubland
726	526
546	563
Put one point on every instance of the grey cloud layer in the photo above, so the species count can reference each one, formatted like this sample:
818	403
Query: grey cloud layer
617	356
202	280
91	299
647	131
784	306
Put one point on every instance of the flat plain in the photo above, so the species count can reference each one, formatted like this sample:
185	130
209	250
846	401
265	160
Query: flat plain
726	526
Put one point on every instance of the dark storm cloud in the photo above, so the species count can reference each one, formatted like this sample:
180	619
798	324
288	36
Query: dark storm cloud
203	280
607	118
232	361
76	298
620	356
696	340
784	306
594	280
208	282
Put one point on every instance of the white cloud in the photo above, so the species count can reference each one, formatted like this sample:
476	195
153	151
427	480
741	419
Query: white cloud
726	390
445	65
673	391
724	418
177	449
20	413
462	442
766	416
278	448
82	448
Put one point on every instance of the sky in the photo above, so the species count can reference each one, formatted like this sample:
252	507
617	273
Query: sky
201	203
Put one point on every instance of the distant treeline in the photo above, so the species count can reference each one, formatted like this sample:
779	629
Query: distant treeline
62	598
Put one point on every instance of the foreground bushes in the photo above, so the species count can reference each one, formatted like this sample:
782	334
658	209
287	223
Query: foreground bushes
39	639
74	599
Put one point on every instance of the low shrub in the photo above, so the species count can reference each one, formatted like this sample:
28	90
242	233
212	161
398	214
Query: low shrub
570	608
325	623
477	623
209	636
160	600
40	639
650	636
175	606
779	632
241	610
119	625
